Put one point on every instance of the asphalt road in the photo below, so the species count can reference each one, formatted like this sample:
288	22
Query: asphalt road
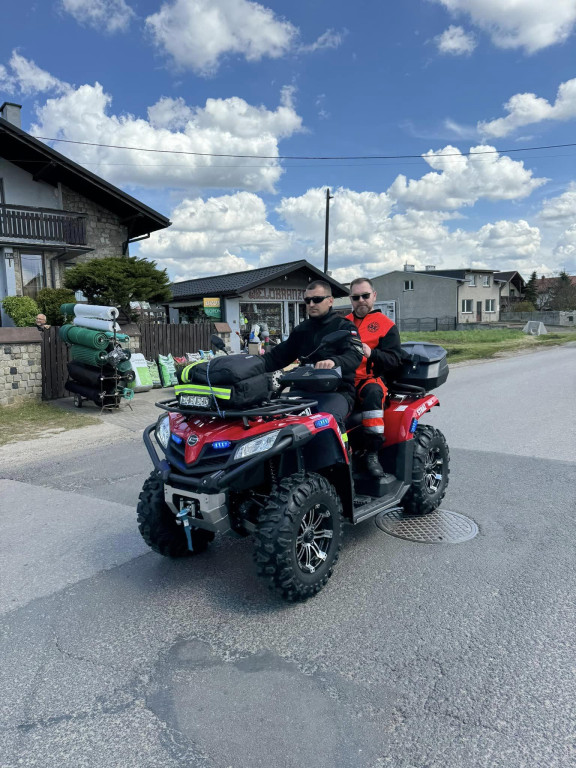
414	656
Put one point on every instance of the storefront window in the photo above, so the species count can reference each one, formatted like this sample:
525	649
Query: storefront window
32	273
263	314
194	313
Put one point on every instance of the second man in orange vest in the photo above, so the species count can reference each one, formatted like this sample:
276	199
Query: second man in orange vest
381	346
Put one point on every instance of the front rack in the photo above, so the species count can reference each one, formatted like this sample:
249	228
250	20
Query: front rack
279	407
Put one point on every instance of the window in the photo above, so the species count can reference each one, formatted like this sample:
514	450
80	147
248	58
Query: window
467	306
471	280
32	273
408	285
490	305
486	281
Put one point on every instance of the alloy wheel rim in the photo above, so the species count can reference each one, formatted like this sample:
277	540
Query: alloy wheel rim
433	470
314	539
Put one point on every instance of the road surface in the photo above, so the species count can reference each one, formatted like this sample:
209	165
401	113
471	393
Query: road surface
414	656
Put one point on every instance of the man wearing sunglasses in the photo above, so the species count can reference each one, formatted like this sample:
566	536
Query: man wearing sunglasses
306	338
381	347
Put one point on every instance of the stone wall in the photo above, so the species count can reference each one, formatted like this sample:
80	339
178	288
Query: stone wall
20	365
104	232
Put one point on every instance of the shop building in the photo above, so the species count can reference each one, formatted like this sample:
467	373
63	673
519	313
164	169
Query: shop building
269	296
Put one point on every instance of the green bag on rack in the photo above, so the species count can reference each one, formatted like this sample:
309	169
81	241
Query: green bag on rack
167	370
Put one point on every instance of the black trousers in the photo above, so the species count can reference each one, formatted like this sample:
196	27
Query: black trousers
328	402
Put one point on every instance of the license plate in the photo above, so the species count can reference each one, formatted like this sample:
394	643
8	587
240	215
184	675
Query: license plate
196	401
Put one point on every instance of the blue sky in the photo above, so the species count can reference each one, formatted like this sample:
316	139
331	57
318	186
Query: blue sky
432	78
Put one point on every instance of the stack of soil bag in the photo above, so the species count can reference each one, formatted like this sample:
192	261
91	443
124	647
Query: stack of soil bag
100	368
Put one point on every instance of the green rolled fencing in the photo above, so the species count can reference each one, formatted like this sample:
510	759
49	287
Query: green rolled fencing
118	336
73	334
67	309
87	355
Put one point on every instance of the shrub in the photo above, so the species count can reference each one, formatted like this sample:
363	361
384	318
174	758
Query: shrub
49	301
22	310
523	306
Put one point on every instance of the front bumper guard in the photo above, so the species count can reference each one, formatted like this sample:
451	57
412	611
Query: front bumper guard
221	479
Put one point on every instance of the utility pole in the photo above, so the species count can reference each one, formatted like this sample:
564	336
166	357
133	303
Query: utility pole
328	198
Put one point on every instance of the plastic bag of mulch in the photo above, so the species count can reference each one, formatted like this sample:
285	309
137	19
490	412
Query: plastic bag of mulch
154	373
167	370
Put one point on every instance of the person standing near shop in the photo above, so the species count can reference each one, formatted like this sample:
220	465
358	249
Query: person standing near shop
306	337
382	356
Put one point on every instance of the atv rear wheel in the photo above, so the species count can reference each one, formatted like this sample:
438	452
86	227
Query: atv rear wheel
158	527
430	471
299	536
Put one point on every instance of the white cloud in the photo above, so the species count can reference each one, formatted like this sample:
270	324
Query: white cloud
455	41
528	24
196	34
462	180
7	81
527	108
223	126
214	236
27	78
108	15
565	251
561	208
328	39
233	233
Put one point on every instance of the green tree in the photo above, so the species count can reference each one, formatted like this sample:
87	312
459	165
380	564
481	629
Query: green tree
531	289
49	301
22	310
115	282
563	294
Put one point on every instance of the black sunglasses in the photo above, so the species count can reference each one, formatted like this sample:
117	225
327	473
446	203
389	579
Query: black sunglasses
358	296
315	299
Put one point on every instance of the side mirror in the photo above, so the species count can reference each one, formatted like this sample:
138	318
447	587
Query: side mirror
330	338
217	342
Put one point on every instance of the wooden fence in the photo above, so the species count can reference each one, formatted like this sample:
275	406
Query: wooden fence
54	369
158	339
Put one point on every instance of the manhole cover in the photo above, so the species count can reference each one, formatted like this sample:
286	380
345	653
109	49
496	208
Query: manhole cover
440	526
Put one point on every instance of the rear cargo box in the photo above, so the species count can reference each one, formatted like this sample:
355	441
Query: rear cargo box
423	365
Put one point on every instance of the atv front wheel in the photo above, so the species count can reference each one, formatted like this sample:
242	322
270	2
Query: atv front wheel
430	471
299	536
158	527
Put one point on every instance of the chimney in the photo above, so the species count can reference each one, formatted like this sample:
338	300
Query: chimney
11	113
430	267
409	268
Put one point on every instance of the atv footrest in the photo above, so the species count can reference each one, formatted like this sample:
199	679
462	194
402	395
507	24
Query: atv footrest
390	501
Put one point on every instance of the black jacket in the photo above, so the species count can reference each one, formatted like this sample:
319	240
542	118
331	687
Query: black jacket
346	353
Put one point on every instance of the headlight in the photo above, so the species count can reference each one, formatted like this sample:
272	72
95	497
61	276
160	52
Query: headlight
257	445
163	430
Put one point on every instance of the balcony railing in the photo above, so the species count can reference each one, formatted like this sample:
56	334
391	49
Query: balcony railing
42	225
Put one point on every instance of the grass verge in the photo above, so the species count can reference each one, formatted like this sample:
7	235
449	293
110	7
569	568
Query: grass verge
28	421
474	345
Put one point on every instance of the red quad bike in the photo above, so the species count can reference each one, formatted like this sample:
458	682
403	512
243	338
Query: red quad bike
286	475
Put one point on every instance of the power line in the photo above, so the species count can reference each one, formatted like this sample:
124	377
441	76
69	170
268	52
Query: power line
309	157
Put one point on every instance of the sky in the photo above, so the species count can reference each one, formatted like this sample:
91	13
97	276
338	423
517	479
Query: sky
441	121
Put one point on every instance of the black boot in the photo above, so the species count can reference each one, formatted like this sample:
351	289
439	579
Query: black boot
373	465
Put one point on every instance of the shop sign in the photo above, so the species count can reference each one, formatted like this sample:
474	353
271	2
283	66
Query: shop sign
212	308
278	294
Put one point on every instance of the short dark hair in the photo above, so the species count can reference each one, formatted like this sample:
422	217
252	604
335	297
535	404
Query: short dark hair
320	284
361	280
